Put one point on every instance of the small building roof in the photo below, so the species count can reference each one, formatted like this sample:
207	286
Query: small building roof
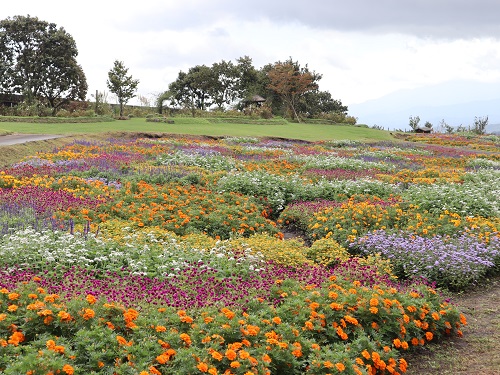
423	129
255	99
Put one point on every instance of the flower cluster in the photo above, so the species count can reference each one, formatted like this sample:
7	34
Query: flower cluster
340	325
174	258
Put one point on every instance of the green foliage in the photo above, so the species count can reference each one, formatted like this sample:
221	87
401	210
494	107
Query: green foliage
39	62
121	84
191	90
414	122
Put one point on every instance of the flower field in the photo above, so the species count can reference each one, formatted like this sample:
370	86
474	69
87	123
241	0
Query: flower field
187	255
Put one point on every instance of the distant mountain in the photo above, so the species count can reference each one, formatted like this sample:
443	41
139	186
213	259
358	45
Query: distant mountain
493	128
457	103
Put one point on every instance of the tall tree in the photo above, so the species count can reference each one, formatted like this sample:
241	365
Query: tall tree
61	79
38	60
191	90
121	84
248	78
291	82
317	102
225	87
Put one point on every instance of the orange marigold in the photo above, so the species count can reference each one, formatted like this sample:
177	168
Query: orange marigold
228	313
160	328
202	366
162	358
266	358
185	337
91	299
244	354
216	355
463	320
328	364
13	296
68	370
276	320
64	316
231	354
88	314
16	338
186	319
253	330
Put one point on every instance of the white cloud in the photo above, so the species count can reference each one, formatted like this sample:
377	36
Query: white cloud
363	48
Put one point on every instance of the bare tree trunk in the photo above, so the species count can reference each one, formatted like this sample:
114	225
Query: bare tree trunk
295	113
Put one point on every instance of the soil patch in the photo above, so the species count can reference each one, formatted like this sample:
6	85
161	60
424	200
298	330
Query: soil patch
477	351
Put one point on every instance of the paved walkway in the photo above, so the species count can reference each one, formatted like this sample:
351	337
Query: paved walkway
13	139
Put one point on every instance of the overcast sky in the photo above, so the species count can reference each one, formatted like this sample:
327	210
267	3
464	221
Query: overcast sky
364	49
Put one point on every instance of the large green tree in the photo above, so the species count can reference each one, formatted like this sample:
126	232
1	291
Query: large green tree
121	84
226	84
38	61
315	103
192	90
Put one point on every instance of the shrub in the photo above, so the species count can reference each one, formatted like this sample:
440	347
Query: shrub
285	252
327	252
480	124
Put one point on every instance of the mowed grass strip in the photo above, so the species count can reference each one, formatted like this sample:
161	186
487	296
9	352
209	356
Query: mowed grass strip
201	126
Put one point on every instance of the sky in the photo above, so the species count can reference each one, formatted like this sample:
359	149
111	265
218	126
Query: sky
366	50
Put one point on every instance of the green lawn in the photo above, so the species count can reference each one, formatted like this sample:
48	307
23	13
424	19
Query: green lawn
201	126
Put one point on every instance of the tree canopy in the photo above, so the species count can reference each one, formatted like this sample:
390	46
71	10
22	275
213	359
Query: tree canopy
291	82
121	84
38	61
289	88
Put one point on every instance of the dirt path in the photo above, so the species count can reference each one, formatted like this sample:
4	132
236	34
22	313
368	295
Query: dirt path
478	351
